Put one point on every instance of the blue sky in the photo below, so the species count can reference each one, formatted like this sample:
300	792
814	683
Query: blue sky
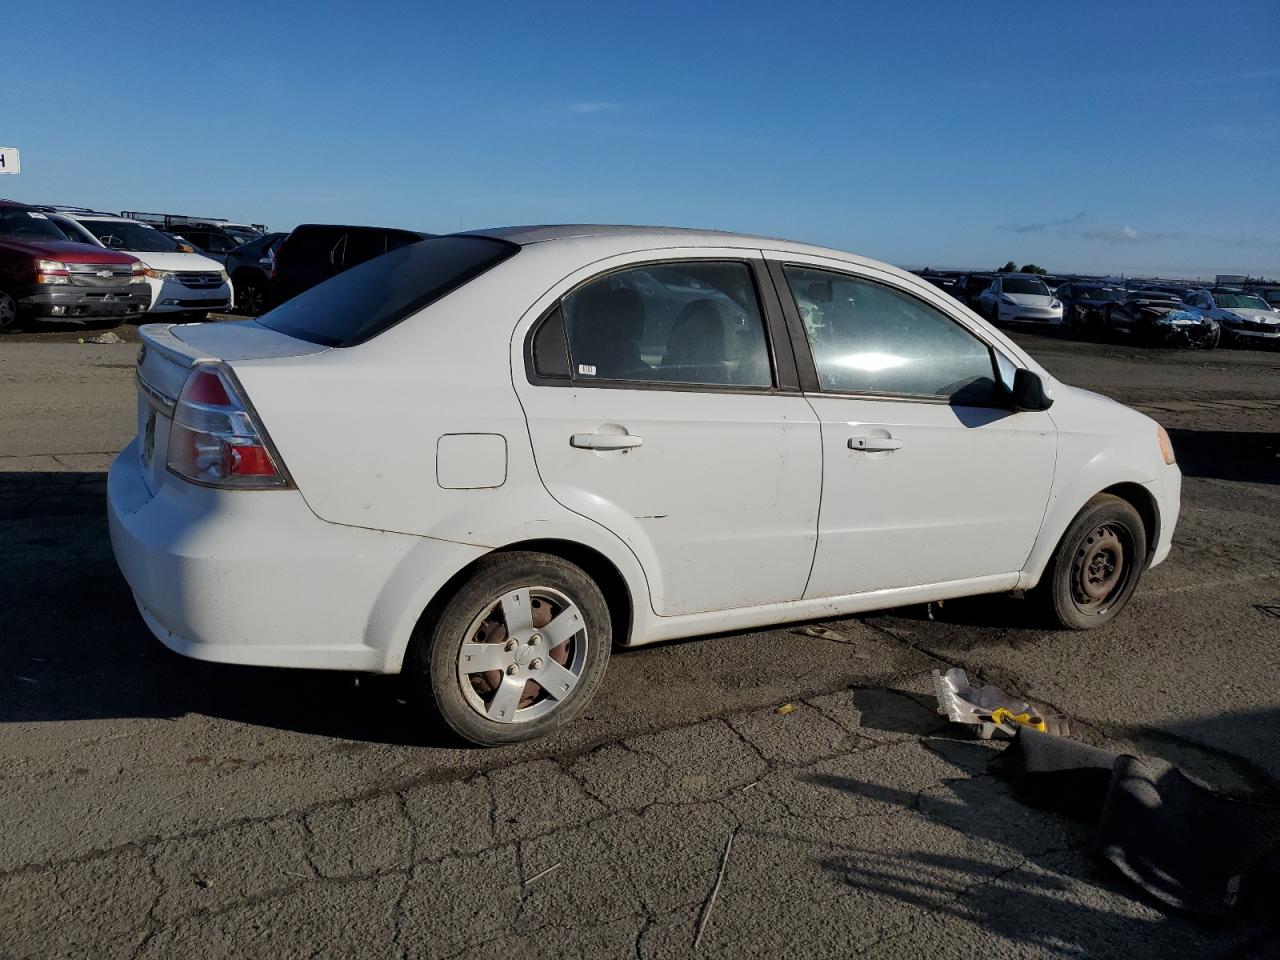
1137	137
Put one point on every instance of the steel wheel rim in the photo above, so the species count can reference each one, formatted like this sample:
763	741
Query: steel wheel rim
8	310
1101	568
523	655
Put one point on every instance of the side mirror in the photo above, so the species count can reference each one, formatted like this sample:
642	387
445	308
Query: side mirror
1028	391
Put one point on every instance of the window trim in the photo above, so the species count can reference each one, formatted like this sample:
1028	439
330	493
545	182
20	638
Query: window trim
782	360
811	383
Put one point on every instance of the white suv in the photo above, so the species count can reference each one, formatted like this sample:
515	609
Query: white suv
181	280
484	459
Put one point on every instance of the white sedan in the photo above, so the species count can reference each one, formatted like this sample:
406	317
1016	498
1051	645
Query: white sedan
486	459
1020	298
1243	317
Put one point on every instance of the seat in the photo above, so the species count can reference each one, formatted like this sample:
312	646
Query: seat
697	351
605	327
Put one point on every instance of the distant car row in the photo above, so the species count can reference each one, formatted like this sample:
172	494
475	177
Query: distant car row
74	263
1156	313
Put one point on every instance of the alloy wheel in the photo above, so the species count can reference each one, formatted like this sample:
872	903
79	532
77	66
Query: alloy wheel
523	655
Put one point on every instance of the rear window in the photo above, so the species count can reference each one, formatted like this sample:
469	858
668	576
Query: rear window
362	302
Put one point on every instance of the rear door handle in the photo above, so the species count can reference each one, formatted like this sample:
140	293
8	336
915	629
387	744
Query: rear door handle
605	441
873	444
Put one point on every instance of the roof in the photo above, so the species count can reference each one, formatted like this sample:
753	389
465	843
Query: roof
541	233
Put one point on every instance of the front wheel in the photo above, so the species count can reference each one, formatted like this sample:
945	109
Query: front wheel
1096	567
518	651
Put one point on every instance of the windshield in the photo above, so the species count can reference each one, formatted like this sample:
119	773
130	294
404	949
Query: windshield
241	234
1097	293
1157	295
1239	301
16	222
362	302
1033	288
124	235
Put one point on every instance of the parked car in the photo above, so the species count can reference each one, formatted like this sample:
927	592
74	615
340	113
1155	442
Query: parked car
314	252
250	266
213	237
468	460
971	287
1173	289
1269	292
1161	319
43	275
1244	317
1020	298
1084	304
946	283
180	282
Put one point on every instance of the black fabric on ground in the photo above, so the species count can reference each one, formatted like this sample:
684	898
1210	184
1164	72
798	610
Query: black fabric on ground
1054	773
1186	845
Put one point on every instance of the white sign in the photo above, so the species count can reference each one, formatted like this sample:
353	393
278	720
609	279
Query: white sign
9	162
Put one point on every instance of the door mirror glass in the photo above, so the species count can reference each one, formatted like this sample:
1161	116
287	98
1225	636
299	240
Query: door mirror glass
1028	391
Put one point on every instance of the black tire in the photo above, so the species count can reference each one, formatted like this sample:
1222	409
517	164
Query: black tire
1076	591
433	663
251	295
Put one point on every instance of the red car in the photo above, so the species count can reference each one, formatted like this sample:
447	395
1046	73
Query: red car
45	275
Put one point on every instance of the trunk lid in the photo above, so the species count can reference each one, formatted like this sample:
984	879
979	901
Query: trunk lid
168	353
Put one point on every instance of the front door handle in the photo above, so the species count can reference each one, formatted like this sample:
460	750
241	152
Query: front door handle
874	444
605	441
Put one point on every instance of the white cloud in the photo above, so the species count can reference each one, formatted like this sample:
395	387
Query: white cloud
594	106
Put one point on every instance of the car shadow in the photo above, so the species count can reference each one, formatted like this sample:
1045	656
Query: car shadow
1243	456
75	648
1043	900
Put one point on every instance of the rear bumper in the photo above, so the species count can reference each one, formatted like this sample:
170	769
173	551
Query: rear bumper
254	577
68	300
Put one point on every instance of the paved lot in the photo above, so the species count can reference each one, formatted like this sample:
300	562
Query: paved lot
159	807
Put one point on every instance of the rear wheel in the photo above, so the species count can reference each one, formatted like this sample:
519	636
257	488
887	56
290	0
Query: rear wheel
8	311
518	651
1096	567
251	296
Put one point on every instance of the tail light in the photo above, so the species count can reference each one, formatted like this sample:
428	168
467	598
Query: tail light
140	272
216	440
52	271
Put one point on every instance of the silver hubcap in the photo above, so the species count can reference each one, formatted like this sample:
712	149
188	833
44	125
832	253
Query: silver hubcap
8	310
523	655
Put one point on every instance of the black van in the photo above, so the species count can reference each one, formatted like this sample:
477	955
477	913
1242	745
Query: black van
314	252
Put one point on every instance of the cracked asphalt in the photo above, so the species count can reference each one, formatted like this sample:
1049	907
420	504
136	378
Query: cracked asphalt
156	807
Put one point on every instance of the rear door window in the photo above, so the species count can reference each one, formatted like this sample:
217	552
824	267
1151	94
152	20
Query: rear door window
681	322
